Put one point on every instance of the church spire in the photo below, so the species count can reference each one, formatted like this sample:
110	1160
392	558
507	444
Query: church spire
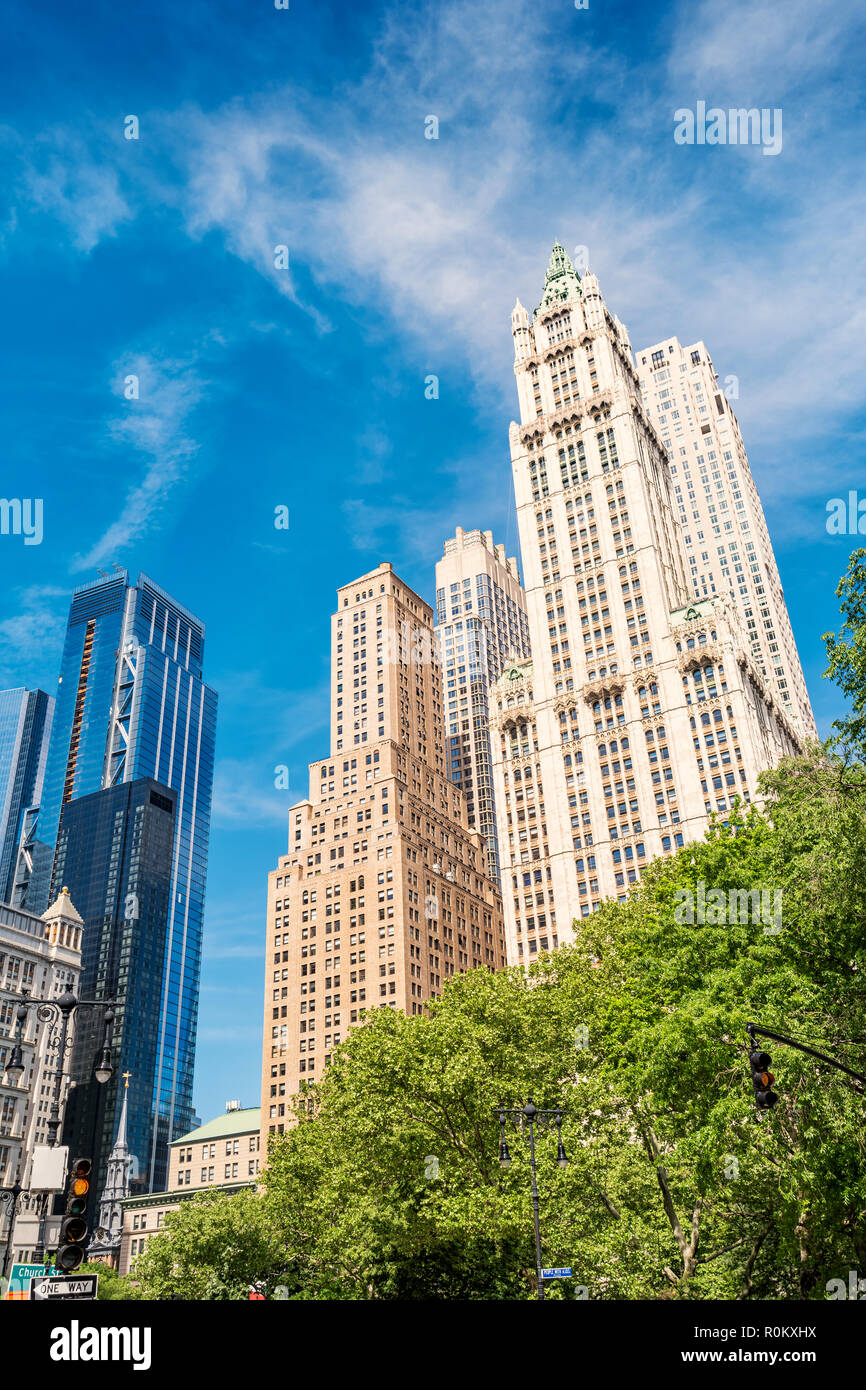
562	280
106	1241
121	1149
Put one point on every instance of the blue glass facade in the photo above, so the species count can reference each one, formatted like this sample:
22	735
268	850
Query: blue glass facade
117	848
132	703
25	726
480	626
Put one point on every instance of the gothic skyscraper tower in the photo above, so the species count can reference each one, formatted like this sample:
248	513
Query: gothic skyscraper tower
642	712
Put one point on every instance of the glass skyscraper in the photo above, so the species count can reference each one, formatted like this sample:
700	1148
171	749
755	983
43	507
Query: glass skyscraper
117	847
25	726
132	703
481	626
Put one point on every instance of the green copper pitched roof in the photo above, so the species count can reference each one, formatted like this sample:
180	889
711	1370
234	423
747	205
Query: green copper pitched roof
225	1126
562	280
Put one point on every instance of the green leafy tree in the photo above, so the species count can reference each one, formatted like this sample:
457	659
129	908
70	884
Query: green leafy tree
213	1247
847	654
388	1185
111	1286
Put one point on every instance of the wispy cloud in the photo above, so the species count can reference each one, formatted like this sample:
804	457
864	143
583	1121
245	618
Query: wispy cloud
153	426
33	635
433	237
245	792
435	233
57	176
747	45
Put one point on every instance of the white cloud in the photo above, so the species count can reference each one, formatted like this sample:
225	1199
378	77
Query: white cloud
747	46
33	634
60	178
439	235
244	794
432	238
154	426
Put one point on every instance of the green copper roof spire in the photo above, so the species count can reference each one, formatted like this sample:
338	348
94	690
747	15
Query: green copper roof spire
562	280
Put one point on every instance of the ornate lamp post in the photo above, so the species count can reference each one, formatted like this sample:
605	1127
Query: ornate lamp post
57	1013
10	1196
530	1117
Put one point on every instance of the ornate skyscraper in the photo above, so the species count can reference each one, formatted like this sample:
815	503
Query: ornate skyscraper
40	957
642	712
728	547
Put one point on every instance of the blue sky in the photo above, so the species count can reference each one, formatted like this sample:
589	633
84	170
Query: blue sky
305	387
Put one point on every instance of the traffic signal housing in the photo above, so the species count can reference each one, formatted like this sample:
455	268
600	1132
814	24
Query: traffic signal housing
73	1228
762	1080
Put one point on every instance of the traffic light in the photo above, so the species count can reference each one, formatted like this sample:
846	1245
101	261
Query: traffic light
73	1228
762	1080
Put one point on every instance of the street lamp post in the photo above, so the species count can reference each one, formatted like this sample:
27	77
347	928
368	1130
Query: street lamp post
531	1117
58	1014
10	1196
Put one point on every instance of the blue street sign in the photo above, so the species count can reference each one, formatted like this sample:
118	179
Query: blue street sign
19	1279
556	1273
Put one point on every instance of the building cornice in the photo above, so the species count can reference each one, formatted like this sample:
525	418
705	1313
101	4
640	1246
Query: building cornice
182	1194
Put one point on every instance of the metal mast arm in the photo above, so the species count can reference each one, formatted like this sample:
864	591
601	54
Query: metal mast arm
753	1028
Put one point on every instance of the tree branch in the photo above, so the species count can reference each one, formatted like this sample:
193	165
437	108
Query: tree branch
609	1204
652	1145
750	1265
705	1259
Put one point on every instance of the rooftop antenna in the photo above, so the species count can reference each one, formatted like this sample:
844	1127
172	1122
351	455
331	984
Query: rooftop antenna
103	574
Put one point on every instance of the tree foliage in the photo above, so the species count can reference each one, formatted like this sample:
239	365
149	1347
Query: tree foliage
846	654
388	1185
213	1247
112	1286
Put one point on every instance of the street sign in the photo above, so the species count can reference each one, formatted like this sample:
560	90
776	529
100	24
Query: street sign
48	1168
556	1273
65	1287
19	1280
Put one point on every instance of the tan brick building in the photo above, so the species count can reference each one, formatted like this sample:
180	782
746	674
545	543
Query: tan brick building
384	891
225	1153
